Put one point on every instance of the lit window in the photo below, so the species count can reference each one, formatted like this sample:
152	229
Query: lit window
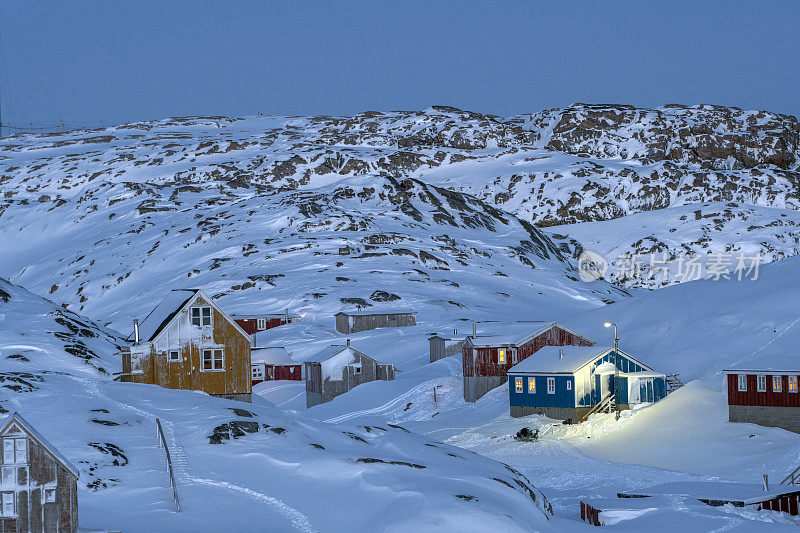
174	355
762	383
742	382
501	357
201	316
262	324
8	504
213	359
532	385
518	384
49	495
569	385
792	383
777	383
551	385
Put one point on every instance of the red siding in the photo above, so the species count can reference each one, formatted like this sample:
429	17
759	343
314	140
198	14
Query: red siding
250	325
768	398
486	358
281	372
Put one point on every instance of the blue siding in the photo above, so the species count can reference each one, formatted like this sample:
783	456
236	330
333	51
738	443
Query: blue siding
561	398
622	387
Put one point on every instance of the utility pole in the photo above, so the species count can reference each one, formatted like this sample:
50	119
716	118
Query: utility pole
616	366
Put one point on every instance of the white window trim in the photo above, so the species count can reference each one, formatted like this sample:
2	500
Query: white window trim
504	354
569	385
518	384
46	492
261	324
6	494
203	361
171	360
762	378
793	379
210	316
531	380
551	381
779	381
513	353
742	382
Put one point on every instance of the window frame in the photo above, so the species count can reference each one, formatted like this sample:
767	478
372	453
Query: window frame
551	385
213	360
8	450
9	480
46	493
741	382
514	356
792	381
569	385
778	382
261	324
170	359
6	495
518	384
501	356
761	378
257	369
201	316
531	384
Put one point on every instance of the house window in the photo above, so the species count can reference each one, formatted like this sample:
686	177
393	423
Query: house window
15	451
9	476
792	383
8	503
261	324
569	385
173	356
214	359
201	316
513	357
551	385
258	372
532	385
762	383
518	384
22	475
49	495
742	382
501	357
777	383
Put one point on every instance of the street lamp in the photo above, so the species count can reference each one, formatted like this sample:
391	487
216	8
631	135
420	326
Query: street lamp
616	366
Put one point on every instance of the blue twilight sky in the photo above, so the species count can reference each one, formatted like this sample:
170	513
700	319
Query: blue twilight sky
86	61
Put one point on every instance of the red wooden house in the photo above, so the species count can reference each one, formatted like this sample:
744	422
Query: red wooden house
254	323
273	363
494	347
766	397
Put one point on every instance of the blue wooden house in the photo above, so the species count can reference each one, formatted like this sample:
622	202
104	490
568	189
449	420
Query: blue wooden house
568	382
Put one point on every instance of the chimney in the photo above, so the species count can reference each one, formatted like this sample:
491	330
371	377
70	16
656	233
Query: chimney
766	483
348	342
135	332
561	353
474	330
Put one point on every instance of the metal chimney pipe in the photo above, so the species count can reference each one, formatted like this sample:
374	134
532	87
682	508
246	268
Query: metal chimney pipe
766	483
348	342
474	330
135	332
561	353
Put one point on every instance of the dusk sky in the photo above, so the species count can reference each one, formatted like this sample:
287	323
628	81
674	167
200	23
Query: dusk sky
82	62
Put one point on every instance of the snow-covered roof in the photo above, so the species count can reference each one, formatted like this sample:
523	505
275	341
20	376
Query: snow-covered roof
644	374
163	313
327	352
382	311
490	334
272	355
762	370
18	418
251	316
564	359
718	490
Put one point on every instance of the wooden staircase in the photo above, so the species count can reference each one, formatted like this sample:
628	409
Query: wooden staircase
673	383
606	405
793	478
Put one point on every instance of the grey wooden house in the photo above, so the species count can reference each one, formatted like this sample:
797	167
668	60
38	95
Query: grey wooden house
39	489
338	369
354	322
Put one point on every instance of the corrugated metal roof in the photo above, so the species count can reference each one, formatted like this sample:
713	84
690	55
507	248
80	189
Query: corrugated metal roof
163	313
491	334
18	418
